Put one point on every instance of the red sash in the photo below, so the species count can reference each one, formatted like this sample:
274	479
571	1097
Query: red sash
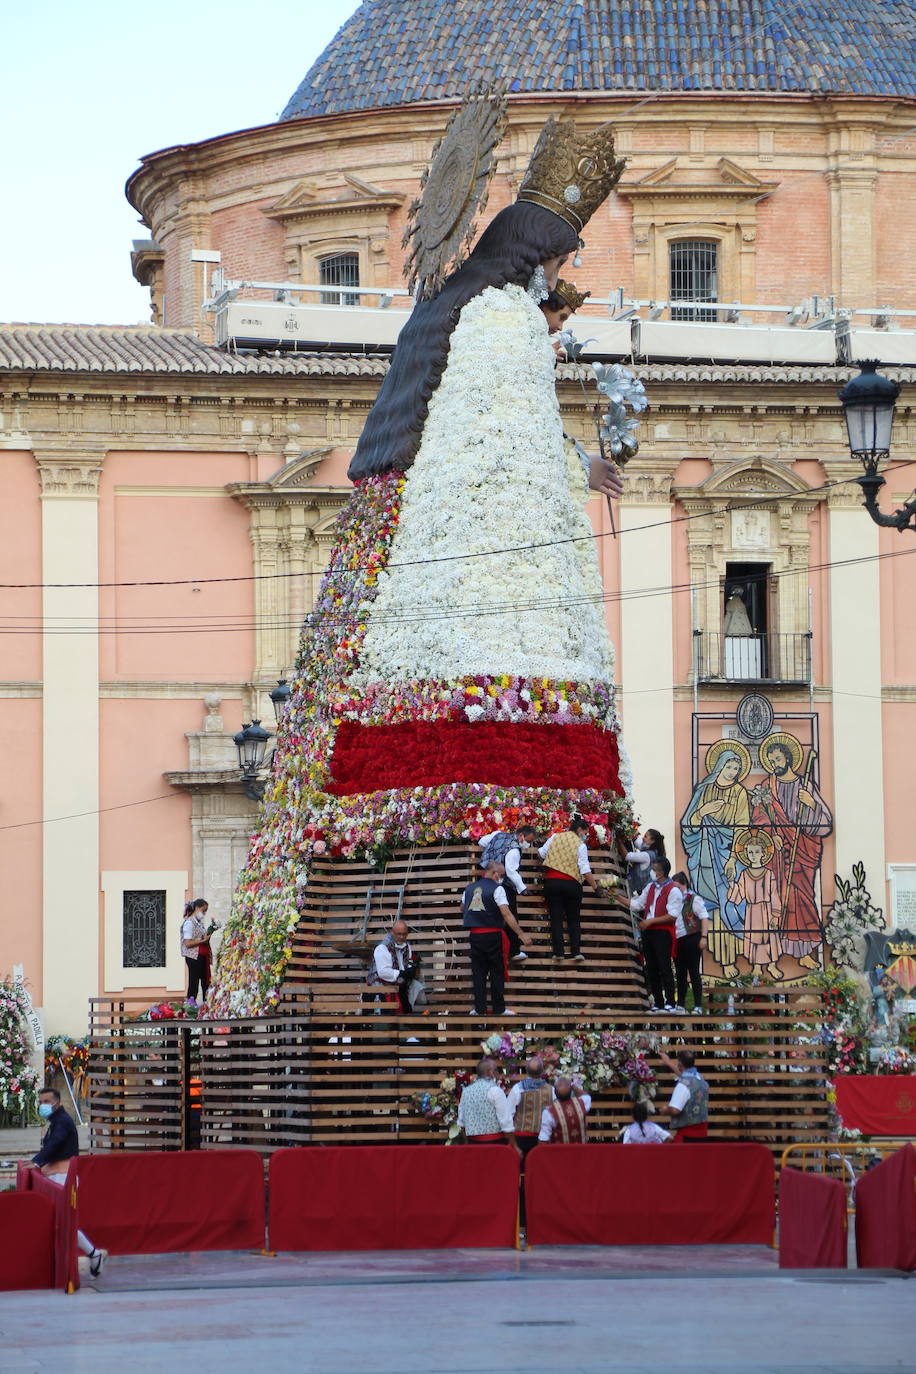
698	1132
494	930
485	1139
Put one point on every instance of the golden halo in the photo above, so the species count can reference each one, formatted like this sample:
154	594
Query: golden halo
761	837
453	191
787	742
715	752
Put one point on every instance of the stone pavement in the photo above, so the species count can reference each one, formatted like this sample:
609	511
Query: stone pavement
681	1310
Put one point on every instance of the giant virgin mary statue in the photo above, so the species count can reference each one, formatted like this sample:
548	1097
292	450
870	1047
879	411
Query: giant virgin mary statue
456	673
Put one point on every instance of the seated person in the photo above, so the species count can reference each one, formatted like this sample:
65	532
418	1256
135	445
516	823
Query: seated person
394	965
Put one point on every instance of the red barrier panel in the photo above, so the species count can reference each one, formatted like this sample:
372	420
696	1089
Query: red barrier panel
886	1213
146	1204
63	1200
649	1195
813	1230
877	1104
364	1197
27	1251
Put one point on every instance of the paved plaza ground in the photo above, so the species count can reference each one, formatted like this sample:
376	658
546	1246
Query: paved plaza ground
715	1310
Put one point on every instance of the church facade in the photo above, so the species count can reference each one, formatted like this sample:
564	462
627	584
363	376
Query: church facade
171	503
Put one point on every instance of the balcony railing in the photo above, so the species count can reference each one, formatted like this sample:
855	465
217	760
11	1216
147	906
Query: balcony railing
765	658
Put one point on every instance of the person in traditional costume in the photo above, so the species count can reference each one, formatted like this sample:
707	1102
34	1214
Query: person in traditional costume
688	1106
488	920
566	871
505	847
395	967
422	698
528	1099
790	807
718	809
564	1122
483	1112
757	888
661	907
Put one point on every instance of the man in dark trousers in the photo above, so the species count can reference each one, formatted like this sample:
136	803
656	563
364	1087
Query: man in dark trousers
59	1144
488	920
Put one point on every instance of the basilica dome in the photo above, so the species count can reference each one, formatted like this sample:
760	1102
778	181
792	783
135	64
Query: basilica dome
396	53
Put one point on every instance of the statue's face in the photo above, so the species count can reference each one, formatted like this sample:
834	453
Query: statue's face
552	267
730	771
779	760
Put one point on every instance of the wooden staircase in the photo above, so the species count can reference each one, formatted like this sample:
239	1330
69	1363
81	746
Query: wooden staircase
351	906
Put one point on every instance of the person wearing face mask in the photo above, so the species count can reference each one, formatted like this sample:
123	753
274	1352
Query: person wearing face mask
564	1121
60	1144
660	904
640	858
394	965
505	847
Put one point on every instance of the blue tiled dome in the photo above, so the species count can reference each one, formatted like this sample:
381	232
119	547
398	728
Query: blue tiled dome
394	52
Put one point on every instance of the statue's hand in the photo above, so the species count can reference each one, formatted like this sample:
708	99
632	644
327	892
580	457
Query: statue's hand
559	350
605	477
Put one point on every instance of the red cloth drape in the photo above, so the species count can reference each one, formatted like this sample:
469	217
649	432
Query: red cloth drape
430	753
812	1221
27	1221
650	1195
63	1200
151	1203
394	1197
877	1104
886	1213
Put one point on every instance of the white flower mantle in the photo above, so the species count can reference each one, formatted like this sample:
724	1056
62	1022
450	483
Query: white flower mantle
492	472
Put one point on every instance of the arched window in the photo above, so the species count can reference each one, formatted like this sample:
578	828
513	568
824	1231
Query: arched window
341	269
693	269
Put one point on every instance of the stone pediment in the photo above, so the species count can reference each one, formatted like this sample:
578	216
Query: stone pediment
726	178
300	471
756	477
304	200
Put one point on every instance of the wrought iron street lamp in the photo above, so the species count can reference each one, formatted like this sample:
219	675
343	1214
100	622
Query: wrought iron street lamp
868	402
251	742
280	697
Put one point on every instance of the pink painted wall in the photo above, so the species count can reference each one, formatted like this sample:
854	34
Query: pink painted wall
20	561
21	848
187	529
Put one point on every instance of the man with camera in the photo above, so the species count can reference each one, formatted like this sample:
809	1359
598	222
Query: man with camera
394	964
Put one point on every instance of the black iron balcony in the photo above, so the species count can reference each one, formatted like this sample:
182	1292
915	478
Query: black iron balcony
763	658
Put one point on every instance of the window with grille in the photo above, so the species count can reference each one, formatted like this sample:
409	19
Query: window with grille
340	270
144	929
693	277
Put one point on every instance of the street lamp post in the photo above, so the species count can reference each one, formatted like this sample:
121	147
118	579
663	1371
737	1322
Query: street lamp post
280	697
251	742
868	402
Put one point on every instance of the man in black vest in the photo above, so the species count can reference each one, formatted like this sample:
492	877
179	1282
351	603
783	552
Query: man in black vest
488	919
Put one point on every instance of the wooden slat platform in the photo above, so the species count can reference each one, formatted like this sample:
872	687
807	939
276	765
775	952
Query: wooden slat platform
347	1078
331	951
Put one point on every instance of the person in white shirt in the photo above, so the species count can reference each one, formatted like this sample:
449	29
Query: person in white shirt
688	962
194	938
564	1122
642	1131
483	1112
505	847
528	1099
566	869
394	965
661	927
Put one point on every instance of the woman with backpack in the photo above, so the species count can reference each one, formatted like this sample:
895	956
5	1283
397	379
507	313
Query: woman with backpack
688	962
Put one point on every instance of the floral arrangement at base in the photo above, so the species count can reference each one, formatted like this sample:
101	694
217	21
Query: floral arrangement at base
19	1083
895	1060
843	1030
599	1059
182	1009
70	1057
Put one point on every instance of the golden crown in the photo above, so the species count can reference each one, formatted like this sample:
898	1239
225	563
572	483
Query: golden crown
570	293
570	173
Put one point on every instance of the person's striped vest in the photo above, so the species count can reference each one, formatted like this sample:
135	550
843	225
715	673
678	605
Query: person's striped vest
536	1095
569	1122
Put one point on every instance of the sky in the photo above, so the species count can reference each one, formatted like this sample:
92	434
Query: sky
86	89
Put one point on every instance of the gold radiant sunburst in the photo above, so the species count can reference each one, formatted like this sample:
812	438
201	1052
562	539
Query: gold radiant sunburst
442	220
